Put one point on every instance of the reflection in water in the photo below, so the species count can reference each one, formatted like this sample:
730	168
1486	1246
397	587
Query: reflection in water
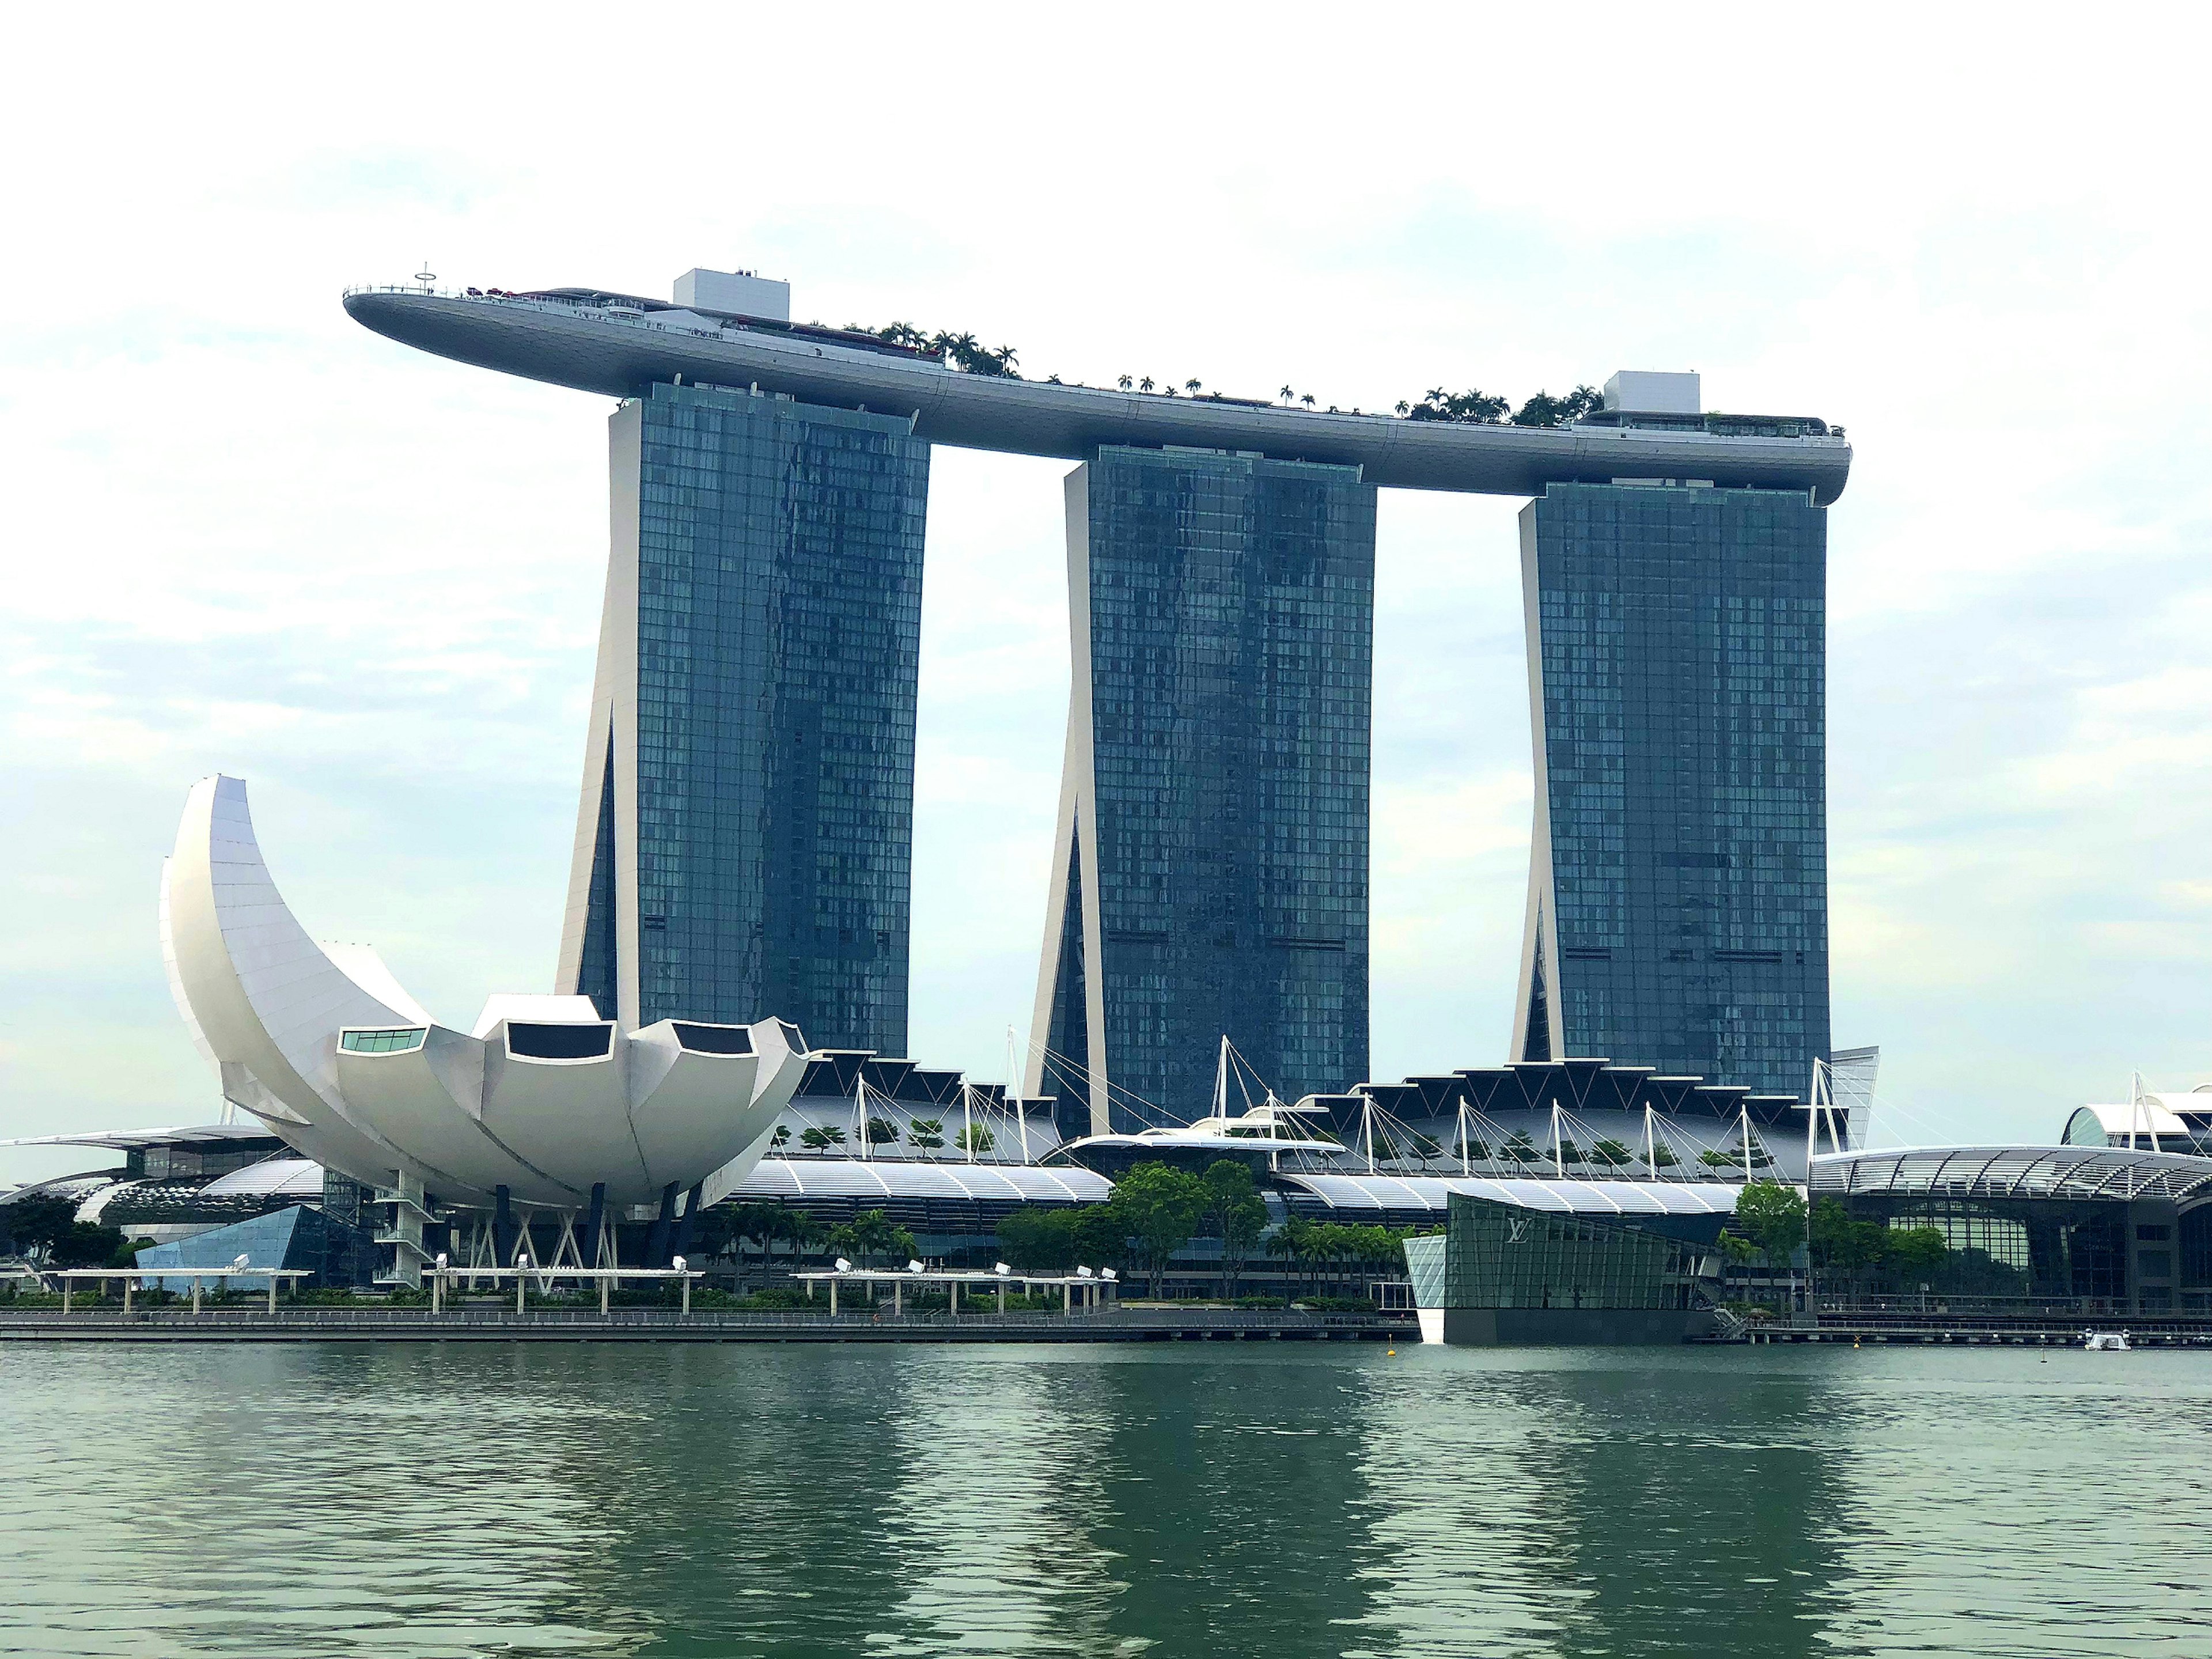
1279	1500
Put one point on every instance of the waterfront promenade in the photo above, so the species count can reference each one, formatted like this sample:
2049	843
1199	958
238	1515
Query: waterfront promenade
483	1324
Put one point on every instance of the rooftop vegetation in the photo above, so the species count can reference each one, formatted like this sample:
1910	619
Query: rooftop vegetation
966	353
963	351
1479	408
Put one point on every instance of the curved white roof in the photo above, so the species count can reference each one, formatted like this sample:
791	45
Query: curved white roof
2156	1115
273	1177
1600	1198
853	1177
2092	1172
124	1140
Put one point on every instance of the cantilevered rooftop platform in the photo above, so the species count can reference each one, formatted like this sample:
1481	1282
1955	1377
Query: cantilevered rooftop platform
617	344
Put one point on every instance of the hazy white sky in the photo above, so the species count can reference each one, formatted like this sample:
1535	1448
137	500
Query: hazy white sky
244	534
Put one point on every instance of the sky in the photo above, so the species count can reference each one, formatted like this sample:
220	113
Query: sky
244	534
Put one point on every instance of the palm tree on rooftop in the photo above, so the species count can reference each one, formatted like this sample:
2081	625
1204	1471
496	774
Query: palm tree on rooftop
1190	386
1288	394
1145	385
1123	383
1307	398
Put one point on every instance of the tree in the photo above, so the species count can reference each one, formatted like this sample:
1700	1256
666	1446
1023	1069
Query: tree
1159	1206
781	1139
1914	1251
807	1234
1474	407
1145	385
1307	398
45	1226
1192	387
927	1131
1038	1238
1124	382
1772	1216
975	1138
1613	1154
1545	410
1238	1211
870	1233
882	1132
822	1138
1287	394
1292	1243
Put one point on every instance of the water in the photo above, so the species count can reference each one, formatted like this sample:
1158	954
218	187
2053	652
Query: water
1279	1499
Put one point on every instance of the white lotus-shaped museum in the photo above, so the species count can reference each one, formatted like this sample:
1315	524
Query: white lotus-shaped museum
543	1099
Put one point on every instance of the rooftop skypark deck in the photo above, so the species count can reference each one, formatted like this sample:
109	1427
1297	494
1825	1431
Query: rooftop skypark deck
616	345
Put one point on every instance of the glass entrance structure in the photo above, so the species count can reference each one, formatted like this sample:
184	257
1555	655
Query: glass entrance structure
746	837
1210	877
1678	906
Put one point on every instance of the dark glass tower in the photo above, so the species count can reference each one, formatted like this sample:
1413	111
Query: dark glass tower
1211	871
744	844
1678	897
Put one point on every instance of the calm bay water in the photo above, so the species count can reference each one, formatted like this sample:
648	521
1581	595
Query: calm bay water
1280	1500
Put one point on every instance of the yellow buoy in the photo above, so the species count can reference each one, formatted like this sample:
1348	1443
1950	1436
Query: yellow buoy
1391	1354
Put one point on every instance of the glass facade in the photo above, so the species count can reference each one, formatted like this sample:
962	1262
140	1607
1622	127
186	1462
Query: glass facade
1496	1256
1679	913
1218	792
777	634
2032	1251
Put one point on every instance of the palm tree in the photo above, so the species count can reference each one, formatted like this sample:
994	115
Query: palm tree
1123	382
1288	394
1190	386
1307	398
1145	385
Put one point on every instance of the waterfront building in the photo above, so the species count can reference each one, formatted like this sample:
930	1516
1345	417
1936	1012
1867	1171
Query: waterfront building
1677	907
746	835
1607	1264
2054	1232
541	1104
1209	873
1674	562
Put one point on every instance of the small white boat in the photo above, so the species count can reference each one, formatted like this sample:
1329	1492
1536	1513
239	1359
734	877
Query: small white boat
2106	1342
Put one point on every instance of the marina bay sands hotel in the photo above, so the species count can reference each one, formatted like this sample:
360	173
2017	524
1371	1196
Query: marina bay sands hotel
744	843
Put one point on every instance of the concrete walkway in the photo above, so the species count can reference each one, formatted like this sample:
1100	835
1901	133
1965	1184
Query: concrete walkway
479	1324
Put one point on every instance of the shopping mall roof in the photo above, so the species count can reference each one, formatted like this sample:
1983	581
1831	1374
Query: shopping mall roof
868	1179
2077	1172
1389	1193
273	1177
132	1140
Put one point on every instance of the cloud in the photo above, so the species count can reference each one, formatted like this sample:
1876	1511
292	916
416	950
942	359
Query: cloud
243	533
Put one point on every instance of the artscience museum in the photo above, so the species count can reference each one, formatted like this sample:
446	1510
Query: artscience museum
541	1105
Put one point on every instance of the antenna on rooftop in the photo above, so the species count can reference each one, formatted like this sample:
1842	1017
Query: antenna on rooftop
426	275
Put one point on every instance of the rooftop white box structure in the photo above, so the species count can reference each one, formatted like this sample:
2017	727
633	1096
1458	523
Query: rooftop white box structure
739	292
1643	392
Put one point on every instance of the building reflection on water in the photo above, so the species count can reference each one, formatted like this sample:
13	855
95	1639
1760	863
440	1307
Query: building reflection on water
1288	1500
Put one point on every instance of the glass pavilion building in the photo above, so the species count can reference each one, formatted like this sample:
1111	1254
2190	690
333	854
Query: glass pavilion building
1677	912
1210	875
746	830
